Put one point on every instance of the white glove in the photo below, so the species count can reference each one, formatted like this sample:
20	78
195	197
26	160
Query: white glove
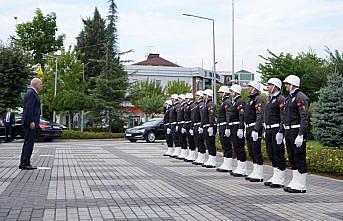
299	141
264	135
210	131
200	130
183	130
176	128
245	133
279	138
168	130
191	132
240	133
227	132
254	135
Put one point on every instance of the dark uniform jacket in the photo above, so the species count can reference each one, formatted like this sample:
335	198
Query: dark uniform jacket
254	111
237	113
166	118
209	114
296	111
173	113
195	112
180	113
225	110
188	112
274	111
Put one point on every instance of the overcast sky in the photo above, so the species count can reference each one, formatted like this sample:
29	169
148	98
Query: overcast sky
158	26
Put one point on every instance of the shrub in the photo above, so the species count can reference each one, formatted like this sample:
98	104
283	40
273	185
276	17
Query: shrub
90	135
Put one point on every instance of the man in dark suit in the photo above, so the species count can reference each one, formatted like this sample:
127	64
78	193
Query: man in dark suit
30	120
8	120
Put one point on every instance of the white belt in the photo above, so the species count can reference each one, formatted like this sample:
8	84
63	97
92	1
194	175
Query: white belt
187	122
222	123
207	125
181	122
291	126
167	124
233	123
271	126
196	124
250	125
174	123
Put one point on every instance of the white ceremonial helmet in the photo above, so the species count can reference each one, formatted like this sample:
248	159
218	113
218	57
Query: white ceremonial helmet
224	89
275	81
255	85
189	96
174	96
236	88
293	80
169	102
182	96
208	92
200	93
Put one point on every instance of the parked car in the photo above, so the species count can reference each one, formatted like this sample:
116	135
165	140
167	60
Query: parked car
47	131
150	131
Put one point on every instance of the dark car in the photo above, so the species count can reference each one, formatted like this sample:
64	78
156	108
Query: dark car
150	131
46	131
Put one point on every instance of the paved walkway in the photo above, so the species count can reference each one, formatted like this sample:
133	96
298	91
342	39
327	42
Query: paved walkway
107	180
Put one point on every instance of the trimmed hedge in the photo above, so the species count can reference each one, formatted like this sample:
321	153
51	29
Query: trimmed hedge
320	159
70	134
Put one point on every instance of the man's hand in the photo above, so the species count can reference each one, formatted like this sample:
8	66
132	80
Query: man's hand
210	131
32	125
240	133
254	135
279	138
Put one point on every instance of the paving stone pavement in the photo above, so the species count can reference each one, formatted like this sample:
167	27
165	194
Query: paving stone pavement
118	180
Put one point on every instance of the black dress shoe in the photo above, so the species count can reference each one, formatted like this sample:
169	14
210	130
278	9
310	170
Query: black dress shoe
222	170
196	163
238	175
247	178
210	166
276	185
267	183
254	180
286	189
296	191
29	167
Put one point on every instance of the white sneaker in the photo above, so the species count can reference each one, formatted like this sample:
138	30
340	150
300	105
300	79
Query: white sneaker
176	152
226	166
183	154
169	151
201	159
271	180
253	173
291	184
258	176
279	180
299	185
191	157
211	162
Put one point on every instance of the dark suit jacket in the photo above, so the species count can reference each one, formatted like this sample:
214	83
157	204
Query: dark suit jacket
12	118
31	105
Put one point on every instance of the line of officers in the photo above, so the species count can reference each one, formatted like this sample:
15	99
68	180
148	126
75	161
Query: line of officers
191	126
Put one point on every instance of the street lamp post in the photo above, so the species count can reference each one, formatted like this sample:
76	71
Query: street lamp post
55	89
214	81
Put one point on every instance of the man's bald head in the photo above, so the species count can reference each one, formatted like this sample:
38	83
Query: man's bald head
36	83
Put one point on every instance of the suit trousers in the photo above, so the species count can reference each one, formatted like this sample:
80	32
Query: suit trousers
29	140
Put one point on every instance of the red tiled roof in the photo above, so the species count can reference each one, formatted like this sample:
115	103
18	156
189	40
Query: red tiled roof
135	110
156	60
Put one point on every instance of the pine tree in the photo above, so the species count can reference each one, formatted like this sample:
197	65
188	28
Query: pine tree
91	44
112	82
327	119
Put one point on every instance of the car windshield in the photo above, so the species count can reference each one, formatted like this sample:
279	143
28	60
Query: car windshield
152	122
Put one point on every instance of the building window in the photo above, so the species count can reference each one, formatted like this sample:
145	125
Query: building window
158	82
246	77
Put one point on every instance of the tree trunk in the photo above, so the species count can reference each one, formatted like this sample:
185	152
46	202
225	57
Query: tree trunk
69	121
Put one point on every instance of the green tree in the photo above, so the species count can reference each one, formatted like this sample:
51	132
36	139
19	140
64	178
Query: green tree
177	87
72	102
14	75
112	83
39	36
308	66
334	61
91	45
327	118
147	96
70	78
